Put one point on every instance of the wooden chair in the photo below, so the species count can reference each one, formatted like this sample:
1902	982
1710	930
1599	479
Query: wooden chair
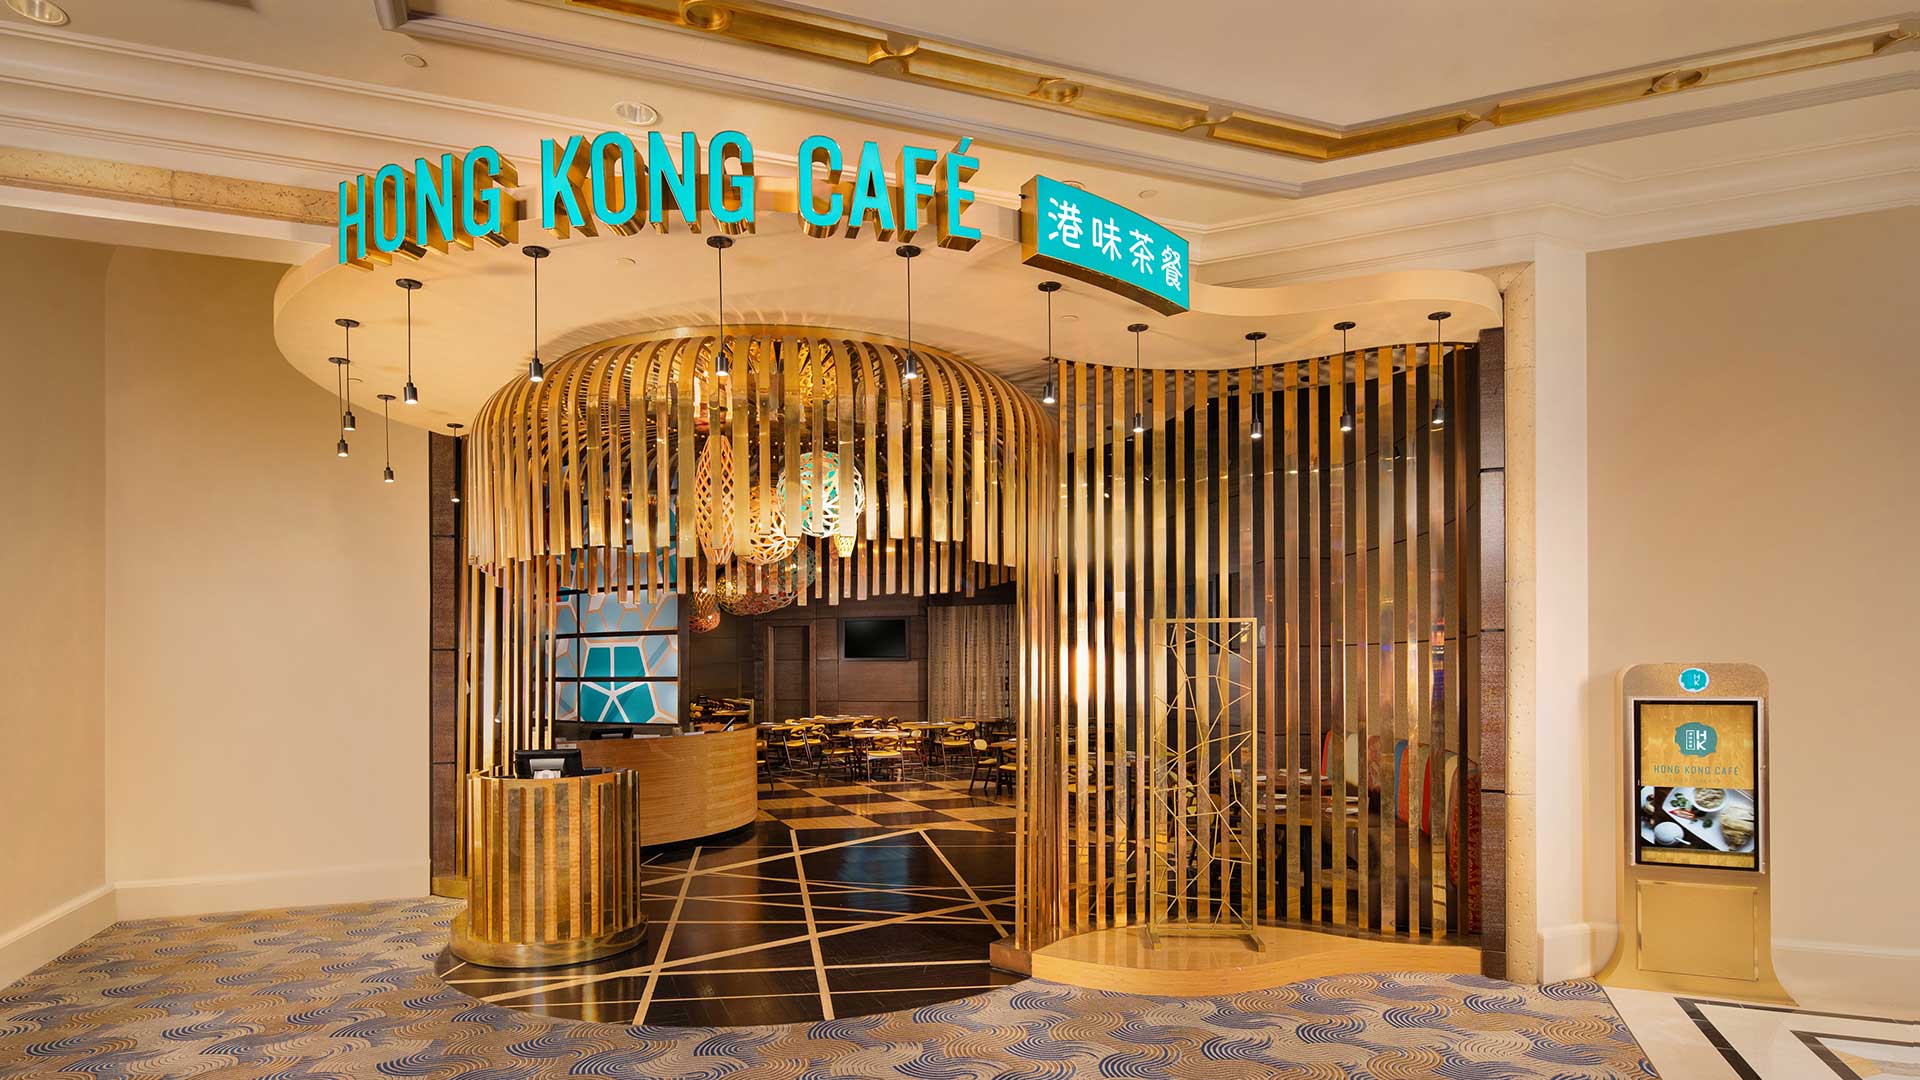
837	750
983	766
885	754
795	747
956	738
1009	775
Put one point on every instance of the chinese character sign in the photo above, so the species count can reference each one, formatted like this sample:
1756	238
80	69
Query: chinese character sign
1084	236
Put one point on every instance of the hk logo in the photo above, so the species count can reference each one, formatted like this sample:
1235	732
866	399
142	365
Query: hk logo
1696	739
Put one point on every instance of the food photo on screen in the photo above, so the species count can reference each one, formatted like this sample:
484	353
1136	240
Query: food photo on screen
1700	818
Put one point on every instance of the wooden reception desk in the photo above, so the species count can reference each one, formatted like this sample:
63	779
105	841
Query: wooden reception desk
553	870
690	785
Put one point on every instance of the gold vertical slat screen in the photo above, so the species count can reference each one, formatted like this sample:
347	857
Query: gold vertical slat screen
1341	530
588	480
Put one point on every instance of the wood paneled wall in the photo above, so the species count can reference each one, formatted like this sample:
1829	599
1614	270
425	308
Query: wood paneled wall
730	660
443	714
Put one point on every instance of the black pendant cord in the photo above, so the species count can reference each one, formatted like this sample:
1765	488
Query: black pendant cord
536	371
1257	431
340	397
1048	394
1346	410
1139	420
409	393
910	368
722	361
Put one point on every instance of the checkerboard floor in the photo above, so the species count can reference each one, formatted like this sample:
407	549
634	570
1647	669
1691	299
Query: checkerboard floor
944	798
847	896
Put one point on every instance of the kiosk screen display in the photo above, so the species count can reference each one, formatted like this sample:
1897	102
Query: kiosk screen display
1697	783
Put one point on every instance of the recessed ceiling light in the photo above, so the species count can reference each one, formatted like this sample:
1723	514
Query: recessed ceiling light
625	260
1149	193
1069	318
637	113
45	12
414	59
1075	184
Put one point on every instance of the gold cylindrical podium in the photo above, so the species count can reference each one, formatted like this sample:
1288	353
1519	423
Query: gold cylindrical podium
553	870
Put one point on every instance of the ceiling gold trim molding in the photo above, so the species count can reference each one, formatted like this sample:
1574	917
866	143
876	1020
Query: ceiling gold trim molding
969	70
47	170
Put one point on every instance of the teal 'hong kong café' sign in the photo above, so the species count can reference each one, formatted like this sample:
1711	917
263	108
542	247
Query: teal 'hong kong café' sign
1069	231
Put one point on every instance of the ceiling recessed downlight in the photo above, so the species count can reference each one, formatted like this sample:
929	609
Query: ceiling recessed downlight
637	113
45	12
413	60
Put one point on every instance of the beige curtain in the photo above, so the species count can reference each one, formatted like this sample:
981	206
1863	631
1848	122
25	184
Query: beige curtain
970	660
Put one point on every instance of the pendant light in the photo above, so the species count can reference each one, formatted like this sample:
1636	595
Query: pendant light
722	360
386	427
339	400
1258	429
909	369
454	430
1048	393
409	394
1346	414
536	371
1439	419
346	415
1136	329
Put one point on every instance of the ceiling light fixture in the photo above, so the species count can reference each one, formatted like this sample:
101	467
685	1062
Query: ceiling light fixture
1048	393
410	394
414	60
346	415
339	400
1258	430
536	371
1346	414
386	425
722	357
1136	329
637	113
909	369
44	12
1439	407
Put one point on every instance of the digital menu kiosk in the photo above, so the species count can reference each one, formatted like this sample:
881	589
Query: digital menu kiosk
1695	912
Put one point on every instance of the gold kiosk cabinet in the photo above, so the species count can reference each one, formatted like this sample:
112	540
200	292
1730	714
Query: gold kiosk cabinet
553	870
1695	906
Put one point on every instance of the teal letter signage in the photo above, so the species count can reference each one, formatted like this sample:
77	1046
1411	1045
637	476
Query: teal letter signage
1068	231
608	182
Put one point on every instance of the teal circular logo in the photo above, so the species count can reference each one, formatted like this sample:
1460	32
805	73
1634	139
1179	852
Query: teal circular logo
1693	680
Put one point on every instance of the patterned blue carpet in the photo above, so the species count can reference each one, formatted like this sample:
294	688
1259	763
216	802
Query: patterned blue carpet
349	991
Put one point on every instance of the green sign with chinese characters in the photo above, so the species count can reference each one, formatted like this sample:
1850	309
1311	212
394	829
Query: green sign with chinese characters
1081	235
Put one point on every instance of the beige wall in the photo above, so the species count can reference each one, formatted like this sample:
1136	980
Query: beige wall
1752	496
216	639
266	609
52	561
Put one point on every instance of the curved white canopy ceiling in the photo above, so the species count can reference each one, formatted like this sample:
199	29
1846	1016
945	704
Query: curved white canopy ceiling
473	321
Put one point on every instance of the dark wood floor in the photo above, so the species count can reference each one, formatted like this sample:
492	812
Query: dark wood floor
846	897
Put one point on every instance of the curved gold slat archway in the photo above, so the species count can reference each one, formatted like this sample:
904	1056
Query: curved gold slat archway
591	479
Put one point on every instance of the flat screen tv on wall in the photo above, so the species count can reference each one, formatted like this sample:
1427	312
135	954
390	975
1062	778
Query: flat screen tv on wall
873	639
